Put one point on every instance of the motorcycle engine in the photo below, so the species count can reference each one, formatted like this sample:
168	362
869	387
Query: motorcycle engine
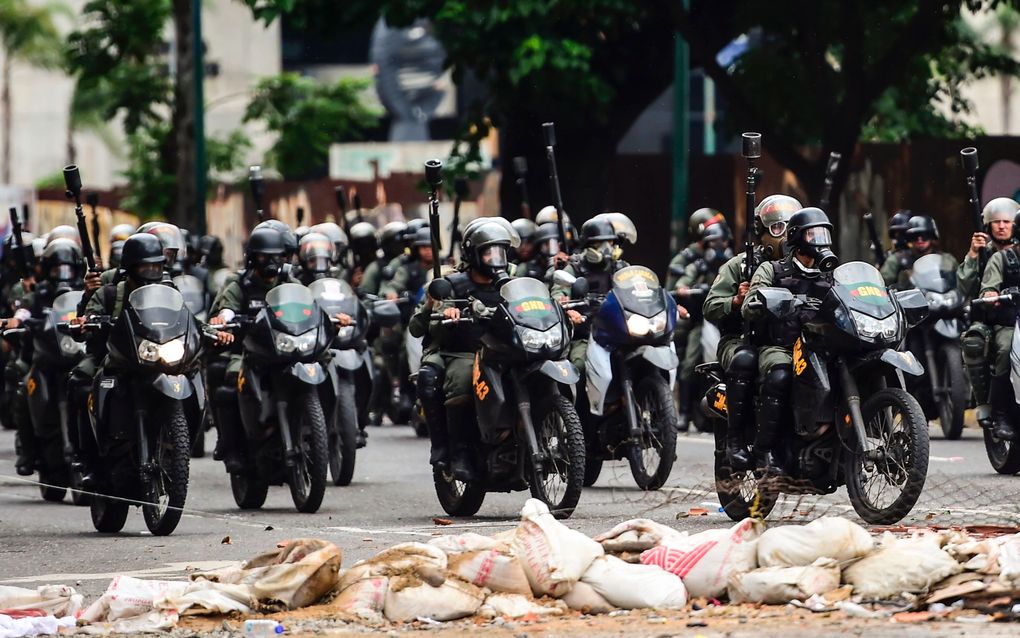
815	459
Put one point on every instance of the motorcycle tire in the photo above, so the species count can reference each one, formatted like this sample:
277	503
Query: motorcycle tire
51	491
906	449
78	496
343	442
563	445
249	490
198	445
168	487
949	360
456	497
592	468
1003	455
655	407
308	475
740	493
108	516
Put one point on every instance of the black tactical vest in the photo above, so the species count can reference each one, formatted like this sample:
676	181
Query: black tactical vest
1005	313
784	332
466	337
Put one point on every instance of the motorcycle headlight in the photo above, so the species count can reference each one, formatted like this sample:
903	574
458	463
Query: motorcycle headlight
302	343
871	328
533	339
169	352
639	326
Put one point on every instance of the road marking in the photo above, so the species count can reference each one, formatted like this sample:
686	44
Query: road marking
168	569
946	459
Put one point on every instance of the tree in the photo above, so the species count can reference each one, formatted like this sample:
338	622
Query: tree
27	34
307	117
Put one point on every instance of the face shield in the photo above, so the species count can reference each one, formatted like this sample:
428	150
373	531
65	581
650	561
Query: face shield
816	244
818	236
147	273
63	272
777	229
493	257
550	247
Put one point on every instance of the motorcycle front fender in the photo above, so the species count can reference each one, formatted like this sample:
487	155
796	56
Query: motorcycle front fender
905	361
174	386
559	371
662	357
366	360
598	374
310	373
348	359
948	328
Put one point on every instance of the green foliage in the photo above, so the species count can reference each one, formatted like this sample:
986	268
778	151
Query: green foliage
28	32
225	154
53	180
307	117
150	186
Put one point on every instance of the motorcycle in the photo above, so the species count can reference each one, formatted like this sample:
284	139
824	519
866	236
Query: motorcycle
53	356
338	395
854	423
1002	454
630	369
530	435
943	390
145	405
195	298
278	395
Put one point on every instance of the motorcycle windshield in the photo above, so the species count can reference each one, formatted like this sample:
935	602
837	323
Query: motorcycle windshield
65	307
928	275
860	286
638	291
334	295
529	304
292	308
193	291
159	309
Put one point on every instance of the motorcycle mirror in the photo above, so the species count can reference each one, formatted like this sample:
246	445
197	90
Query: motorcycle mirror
579	288
440	289
914	304
563	278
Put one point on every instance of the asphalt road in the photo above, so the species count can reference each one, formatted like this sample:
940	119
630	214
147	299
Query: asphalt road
392	500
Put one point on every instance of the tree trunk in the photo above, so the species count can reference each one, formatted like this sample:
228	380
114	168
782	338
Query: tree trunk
5	98
183	132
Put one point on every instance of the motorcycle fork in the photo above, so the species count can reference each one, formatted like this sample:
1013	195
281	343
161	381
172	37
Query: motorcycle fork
144	458
525	422
70	448
853	404
629	401
290	453
933	371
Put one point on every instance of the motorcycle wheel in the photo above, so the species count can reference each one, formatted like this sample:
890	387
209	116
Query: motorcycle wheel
592	468
952	407
249	490
198	445
168	486
740	493
343	442
108	516
308	475
895	426
1003	455
54	494
560	438
651	459
456	497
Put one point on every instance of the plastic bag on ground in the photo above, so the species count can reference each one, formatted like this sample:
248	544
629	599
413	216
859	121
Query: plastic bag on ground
34	625
408	598
582	597
630	586
909	565
637	535
516	606
296	574
780	585
57	600
553	556
706	560
798	546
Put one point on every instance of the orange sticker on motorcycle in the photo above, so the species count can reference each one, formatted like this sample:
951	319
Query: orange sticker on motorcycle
481	387
799	363
31	386
720	402
240	381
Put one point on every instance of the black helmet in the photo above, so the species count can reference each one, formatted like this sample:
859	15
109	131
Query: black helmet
624	227
265	252
391	239
290	241
170	237
525	228
486	247
547	239
922	226
116	250
193	242
421	237
810	233
898	223
29	240
336	235
212	249
363	241
315	253
715	232
142	258
595	230
698	220
61	261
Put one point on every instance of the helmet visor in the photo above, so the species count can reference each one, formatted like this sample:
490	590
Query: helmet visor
818	236
777	229
62	272
550	247
317	263
148	272
493	256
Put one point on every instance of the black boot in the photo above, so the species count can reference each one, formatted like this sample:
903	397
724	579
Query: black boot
739	403
1000	397
460	426
770	412
435	417
231	438
980	383
24	439
683	405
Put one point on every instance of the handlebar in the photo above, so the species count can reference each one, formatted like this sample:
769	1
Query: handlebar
1007	295
95	321
438	316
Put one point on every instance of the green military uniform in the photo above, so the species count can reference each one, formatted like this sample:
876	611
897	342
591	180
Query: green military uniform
768	356
681	260
720	310
977	341
1002	335
897	262
695	274
233	297
372	278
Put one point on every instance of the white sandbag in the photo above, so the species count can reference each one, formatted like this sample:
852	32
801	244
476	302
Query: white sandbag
496	569
516	606
706	560
637	535
395	560
582	597
128	598
57	600
553	556
630	586
408	598
1008	557
367	594
798	546
469	542
205	597
910	565
780	585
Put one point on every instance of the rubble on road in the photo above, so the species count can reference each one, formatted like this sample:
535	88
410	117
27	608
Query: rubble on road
545	570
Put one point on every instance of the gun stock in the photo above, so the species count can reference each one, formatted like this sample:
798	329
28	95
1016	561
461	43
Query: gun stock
460	192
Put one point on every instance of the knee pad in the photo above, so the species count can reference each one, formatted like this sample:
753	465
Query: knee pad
743	365
430	382
975	343
776	384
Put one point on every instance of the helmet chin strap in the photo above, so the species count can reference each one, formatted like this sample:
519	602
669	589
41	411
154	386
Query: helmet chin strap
810	273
